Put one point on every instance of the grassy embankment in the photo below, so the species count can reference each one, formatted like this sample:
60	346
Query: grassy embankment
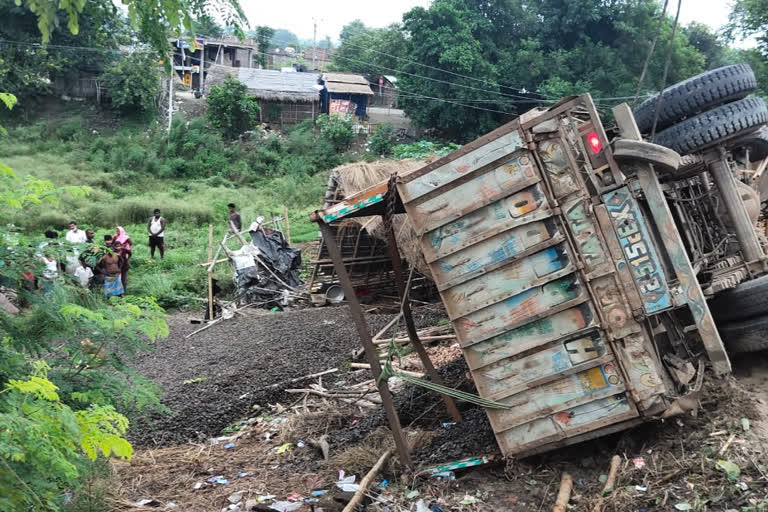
124	191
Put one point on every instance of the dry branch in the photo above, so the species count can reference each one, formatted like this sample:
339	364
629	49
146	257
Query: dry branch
366	481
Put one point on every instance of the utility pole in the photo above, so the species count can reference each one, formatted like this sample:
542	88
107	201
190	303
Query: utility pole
170	93
314	45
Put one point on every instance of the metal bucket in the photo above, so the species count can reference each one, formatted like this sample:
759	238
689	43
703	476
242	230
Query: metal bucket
334	294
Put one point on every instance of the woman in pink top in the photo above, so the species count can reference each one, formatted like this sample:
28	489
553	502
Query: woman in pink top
122	237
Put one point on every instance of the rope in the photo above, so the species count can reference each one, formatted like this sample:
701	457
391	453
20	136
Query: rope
650	52
666	69
387	371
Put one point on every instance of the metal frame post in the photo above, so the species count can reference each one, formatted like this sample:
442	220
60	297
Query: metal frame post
734	206
365	337
413	336
405	306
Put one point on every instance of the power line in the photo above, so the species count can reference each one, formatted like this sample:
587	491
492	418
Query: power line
523	90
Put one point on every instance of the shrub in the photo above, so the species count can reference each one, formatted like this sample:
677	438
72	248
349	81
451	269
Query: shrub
230	109
383	140
133	83
336	129
67	130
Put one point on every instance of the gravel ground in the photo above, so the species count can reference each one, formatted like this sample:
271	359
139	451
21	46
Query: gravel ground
243	356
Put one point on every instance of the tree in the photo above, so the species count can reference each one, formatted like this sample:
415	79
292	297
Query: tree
751	18
708	43
371	52
264	37
133	84
230	109
351	29
283	38
206	26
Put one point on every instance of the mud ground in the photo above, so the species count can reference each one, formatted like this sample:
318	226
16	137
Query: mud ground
214	378
245	355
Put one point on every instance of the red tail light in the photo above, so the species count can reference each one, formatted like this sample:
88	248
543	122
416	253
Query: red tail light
594	142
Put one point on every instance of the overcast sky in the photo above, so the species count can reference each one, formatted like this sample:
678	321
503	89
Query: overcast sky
331	15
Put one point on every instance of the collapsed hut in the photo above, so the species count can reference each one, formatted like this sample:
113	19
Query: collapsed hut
362	240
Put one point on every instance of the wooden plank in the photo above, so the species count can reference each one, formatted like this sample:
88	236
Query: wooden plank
461	166
475	259
508	281
472	227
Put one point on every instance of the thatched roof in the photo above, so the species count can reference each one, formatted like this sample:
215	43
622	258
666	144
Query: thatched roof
355	177
269	85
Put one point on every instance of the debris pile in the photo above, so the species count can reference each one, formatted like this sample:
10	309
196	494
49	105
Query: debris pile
266	269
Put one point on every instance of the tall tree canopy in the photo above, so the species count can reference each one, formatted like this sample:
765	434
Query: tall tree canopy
494	59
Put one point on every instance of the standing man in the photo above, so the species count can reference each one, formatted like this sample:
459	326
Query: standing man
156	229
89	234
234	218
75	235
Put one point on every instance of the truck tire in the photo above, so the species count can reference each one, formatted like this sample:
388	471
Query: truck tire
714	126
663	158
746	300
745	336
699	93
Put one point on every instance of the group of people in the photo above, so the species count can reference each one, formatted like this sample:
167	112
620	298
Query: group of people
96	266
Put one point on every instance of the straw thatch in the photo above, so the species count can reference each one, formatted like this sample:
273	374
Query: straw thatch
355	177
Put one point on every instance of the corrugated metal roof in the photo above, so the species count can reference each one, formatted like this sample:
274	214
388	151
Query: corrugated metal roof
346	78
269	84
349	88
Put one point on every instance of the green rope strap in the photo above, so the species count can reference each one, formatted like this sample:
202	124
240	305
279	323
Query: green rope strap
387	371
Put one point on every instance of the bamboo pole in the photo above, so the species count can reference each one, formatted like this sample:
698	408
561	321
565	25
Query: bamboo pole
564	494
366	481
611	481
210	273
287	225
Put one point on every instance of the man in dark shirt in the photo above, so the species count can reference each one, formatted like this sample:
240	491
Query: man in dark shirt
234	218
89	234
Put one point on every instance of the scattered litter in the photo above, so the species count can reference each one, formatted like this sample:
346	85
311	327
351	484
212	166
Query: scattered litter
684	506
319	492
294	497
235	498
639	462
435	508
468	500
240	474
603	478
421	506
347	484
744	424
286	447
641	488
148	502
286	506
732	471
742	486
261	498
300	444
448	424
267	435
218	480
198	485
411	494
445	475
170	505
384	484
229	446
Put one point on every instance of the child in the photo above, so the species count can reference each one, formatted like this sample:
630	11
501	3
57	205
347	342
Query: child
84	274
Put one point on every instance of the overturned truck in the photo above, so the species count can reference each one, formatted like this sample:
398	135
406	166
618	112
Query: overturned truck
573	262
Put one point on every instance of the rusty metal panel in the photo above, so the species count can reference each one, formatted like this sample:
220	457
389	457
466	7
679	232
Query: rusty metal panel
639	250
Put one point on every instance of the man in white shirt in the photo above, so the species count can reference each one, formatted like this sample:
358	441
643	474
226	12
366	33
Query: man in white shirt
84	274
75	235
156	229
